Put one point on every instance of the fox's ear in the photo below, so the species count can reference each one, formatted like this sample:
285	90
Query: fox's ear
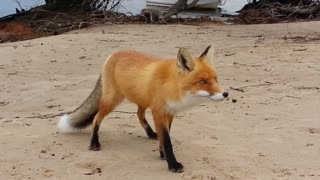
186	61
208	55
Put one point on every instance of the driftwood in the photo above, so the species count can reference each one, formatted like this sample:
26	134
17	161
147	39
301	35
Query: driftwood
153	15
310	11
179	6
274	11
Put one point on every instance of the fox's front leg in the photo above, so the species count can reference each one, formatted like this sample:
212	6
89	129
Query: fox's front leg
163	123
161	150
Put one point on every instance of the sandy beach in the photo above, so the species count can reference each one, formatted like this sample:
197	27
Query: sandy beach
271	132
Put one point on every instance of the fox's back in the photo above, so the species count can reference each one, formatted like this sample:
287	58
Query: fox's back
136	74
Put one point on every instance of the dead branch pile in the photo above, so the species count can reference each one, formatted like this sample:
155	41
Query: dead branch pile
53	19
275	11
59	16
60	22
40	22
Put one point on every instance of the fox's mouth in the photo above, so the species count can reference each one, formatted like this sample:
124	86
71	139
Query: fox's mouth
214	97
217	97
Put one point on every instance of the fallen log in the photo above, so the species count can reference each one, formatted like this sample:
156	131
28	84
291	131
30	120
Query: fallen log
153	15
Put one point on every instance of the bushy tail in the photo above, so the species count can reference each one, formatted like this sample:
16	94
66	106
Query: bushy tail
83	115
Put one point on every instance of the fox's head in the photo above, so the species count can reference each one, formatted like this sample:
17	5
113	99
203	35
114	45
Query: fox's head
199	77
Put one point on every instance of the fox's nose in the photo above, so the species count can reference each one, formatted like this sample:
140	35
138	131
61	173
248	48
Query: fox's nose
225	94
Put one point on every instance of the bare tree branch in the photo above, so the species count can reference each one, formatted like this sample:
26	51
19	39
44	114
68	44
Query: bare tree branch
191	5
179	6
310	11
19	3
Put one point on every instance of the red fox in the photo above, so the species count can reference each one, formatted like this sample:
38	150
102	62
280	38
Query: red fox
165	86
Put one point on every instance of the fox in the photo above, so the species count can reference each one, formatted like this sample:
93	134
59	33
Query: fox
166	86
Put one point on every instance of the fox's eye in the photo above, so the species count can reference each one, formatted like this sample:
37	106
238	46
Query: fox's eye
203	82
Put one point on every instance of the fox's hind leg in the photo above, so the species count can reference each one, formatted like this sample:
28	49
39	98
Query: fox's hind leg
108	102
141	115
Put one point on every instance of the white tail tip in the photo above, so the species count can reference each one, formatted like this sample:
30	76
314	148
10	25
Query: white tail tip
64	124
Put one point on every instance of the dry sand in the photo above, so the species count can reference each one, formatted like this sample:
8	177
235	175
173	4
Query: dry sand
272	132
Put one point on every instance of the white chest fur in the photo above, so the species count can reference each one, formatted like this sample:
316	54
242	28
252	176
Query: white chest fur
185	103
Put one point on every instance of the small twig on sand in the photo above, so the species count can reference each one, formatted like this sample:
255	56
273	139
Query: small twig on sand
126	112
229	54
256	85
293	97
301	39
252	65
300	49
295	37
46	116
237	89
307	88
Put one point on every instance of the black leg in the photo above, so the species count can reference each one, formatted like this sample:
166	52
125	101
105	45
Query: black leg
162	155
173	164
170	125
141	115
150	133
95	144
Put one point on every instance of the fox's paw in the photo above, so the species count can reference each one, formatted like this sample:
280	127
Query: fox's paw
176	167
150	133
162	156
95	147
153	135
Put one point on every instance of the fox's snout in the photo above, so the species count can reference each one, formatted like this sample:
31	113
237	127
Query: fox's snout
225	94
219	96
213	96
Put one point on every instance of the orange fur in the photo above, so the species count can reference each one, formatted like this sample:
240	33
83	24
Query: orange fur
149	81
166	86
